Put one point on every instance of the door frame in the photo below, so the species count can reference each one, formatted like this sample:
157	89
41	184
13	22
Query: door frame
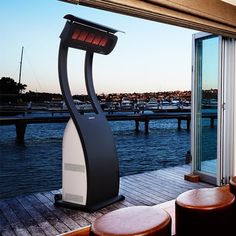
228	63
225	109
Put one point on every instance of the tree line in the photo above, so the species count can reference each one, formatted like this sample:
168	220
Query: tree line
9	86
11	91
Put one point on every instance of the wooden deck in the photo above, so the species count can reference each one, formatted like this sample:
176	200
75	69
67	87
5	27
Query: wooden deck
35	214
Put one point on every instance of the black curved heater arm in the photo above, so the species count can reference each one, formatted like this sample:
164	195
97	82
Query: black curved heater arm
89	82
64	84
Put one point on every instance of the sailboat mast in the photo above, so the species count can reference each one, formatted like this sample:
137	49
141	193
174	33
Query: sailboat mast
21	59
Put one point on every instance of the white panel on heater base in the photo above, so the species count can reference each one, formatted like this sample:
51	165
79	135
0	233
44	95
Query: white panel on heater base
74	176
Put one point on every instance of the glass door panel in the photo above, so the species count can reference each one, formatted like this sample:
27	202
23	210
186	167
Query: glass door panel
206	87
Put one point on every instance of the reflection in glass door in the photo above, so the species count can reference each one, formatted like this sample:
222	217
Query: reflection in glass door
205	108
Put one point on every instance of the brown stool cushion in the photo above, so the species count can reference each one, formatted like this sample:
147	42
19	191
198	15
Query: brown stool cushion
138	220
204	211
205	199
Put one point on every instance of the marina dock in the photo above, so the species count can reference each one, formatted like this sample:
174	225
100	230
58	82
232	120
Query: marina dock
35	214
21	122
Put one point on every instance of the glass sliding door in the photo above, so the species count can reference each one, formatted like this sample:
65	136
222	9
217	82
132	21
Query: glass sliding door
213	132
206	100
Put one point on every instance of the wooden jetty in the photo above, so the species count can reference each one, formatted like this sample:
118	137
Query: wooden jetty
35	214
21	122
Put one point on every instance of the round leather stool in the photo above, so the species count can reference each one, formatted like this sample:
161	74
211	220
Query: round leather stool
137	220
232	185
205	211
232	188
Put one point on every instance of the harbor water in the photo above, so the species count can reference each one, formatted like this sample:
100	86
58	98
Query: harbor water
35	166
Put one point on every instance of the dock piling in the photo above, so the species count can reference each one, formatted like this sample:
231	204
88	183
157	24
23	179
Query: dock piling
146	126
212	122
179	123
136	126
20	131
188	123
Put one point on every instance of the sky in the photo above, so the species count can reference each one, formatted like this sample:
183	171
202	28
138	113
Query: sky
210	62
148	57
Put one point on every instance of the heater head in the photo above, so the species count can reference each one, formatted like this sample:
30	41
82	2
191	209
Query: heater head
88	36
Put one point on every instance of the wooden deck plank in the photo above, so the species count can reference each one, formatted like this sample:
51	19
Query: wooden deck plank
72	224
57	223
150	180
5	228
144	191
7	232
48	201
129	199
136	193
26	219
36	214
171	185
51	219
20	230
20	212
135	198
16	225
3	221
122	204
152	186
75	214
8	212
153	189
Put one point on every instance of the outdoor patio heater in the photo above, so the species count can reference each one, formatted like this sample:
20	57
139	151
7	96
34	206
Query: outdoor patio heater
90	172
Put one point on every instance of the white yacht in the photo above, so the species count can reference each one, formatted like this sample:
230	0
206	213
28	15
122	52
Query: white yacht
141	104
152	104
164	105
81	106
126	104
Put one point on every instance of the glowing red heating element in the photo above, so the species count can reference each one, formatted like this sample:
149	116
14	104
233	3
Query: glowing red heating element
89	38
